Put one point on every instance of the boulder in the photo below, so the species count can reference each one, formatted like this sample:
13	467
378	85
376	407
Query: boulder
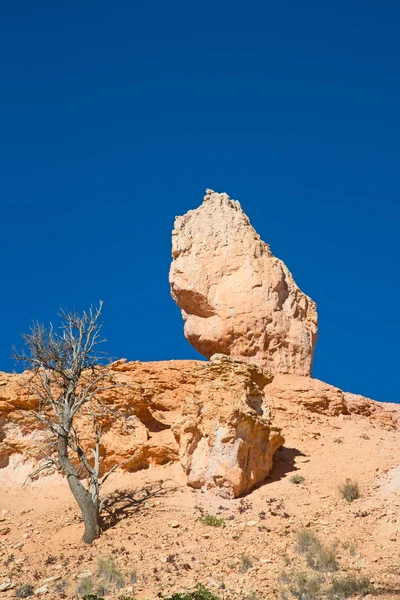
235	296
226	441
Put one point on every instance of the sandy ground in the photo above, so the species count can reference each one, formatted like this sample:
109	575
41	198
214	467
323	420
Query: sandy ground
155	536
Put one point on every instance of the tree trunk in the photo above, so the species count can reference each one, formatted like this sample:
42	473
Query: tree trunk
89	509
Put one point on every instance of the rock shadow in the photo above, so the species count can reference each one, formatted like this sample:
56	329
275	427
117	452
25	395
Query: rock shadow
283	463
123	504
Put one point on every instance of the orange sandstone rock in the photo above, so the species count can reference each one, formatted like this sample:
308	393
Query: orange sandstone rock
235	296
213	417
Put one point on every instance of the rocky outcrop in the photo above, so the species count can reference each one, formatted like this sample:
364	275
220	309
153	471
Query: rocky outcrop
290	393
235	296
226	440
221	420
212	417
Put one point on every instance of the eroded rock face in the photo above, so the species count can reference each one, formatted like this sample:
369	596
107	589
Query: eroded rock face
237	298
226	441
212	417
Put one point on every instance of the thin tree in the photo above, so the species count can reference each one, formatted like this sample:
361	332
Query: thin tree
67	376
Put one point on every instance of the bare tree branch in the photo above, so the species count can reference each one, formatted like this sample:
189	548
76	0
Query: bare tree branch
68	374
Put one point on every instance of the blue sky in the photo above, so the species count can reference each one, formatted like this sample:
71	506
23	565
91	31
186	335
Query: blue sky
115	117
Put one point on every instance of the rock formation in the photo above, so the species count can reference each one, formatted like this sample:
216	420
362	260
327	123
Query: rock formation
226	440
215	418
211	416
237	298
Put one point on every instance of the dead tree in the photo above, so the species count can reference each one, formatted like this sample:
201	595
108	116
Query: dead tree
68	375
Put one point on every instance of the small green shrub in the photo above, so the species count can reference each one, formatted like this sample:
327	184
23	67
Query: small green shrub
338	440
350	490
297	479
25	591
211	520
246	563
200	592
92	597
349	585
108	571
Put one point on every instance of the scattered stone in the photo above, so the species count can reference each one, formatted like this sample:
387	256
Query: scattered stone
174	524
251	523
41	590
7	585
84	574
51	579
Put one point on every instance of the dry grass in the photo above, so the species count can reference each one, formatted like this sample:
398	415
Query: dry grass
350	490
303	586
246	563
349	585
108	571
318	556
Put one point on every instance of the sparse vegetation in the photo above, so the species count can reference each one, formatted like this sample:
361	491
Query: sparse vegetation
297	479
338	440
244	505
246	563
61	588
85	587
25	591
108	571
133	576
321	558
200	592
318	556
349	585
304	586
102	589
350	490
211	520
305	539
351	547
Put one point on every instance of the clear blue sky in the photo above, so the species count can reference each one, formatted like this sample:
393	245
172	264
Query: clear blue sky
115	117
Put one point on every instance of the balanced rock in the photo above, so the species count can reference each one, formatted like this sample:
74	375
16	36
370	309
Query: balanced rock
235	296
